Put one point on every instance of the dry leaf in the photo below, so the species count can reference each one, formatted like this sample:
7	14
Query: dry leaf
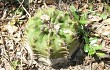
107	21
11	29
94	18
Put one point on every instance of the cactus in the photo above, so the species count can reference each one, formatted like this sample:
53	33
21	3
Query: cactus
52	33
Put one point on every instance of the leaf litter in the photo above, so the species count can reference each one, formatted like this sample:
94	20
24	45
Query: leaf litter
14	49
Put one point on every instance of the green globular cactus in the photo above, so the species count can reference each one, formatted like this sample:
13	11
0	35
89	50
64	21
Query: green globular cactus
52	33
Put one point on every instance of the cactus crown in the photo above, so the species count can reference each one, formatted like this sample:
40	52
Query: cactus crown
50	32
